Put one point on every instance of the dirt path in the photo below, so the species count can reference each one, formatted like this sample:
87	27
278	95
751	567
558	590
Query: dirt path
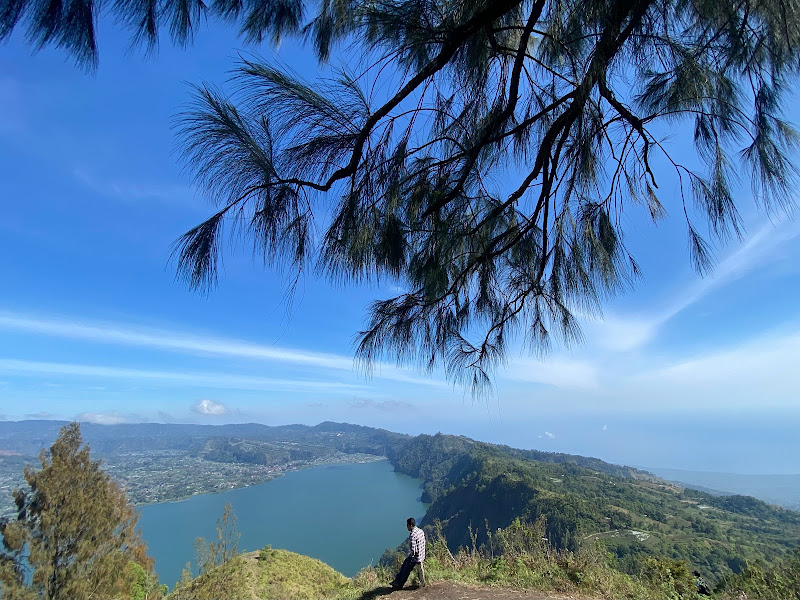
449	590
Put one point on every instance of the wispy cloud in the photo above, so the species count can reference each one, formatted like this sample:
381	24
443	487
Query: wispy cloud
105	418
557	371
759	373
39	415
763	370
165	417
547	435
209	407
196	379
180	342
381	405
130	192
629	332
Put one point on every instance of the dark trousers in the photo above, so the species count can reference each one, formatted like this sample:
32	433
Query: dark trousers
405	570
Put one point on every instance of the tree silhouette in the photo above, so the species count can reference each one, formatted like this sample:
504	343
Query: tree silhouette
480	154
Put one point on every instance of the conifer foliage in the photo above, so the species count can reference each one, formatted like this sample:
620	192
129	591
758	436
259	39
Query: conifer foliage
481	154
218	562
74	528
211	555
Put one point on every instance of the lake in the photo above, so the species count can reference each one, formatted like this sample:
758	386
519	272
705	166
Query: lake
346	515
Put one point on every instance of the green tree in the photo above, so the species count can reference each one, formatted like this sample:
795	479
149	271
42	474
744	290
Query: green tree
218	563
757	581
75	528
483	154
145	585
226	547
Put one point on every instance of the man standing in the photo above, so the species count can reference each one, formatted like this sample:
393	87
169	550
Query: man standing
416	538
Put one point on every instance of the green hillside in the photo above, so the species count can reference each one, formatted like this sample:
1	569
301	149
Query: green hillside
634	515
267	573
519	563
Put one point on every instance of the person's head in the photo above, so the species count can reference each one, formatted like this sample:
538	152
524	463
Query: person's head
411	523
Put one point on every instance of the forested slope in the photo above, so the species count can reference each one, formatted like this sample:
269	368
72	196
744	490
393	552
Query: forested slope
473	485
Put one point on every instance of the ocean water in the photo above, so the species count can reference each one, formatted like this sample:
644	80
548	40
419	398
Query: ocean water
778	489
345	515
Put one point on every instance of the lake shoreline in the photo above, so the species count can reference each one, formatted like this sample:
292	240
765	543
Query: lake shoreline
303	511
277	475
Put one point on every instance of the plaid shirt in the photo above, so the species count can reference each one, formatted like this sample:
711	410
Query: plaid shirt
417	540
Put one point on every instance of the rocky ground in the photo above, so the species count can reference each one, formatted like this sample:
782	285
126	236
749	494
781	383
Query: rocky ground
448	590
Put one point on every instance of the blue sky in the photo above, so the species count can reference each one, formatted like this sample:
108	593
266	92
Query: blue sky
682	372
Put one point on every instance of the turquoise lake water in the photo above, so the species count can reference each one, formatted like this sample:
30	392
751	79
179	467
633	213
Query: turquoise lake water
345	515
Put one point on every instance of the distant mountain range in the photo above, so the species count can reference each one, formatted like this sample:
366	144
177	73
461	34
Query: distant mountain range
473	488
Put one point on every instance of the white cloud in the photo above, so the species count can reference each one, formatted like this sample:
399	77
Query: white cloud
605	428
102	418
557	371
548	435
180	342
209	407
